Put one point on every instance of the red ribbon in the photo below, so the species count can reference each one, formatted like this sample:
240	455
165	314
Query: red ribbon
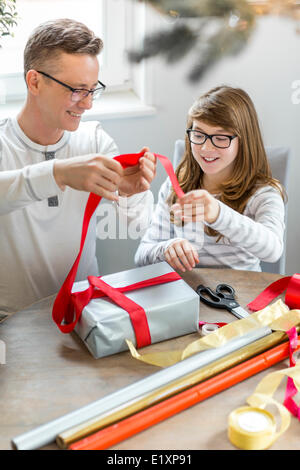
292	297
291	389
219	324
66	304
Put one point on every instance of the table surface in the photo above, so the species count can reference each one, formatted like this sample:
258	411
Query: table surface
48	374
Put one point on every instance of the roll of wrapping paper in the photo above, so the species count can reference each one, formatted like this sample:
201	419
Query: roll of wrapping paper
276	315
90	426
122	398
122	430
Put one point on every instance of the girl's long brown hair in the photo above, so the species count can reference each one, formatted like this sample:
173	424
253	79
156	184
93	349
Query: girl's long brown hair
233	110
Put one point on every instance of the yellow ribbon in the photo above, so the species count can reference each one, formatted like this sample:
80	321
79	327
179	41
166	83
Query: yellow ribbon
277	316
243	419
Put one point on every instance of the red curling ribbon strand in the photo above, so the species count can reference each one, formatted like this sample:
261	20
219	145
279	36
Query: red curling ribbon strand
67	305
291	389
169	169
292	297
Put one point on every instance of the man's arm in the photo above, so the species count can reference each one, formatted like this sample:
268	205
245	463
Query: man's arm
92	173
21	187
97	172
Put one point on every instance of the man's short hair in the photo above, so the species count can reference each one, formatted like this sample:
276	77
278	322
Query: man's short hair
51	38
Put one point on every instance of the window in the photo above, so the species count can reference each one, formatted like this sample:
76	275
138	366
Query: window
108	19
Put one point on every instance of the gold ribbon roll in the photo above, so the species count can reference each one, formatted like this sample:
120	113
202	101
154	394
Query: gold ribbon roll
251	428
254	428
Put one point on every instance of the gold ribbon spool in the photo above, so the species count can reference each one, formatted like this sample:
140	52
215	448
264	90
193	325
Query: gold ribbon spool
257	431
251	428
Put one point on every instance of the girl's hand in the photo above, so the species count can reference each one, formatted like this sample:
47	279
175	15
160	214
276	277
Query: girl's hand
196	206
181	255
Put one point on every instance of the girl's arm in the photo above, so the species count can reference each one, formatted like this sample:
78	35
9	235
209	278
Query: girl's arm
260	230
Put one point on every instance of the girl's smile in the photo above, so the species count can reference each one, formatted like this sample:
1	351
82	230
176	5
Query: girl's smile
209	159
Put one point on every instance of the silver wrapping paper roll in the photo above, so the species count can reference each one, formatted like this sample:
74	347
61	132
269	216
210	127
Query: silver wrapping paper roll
47	433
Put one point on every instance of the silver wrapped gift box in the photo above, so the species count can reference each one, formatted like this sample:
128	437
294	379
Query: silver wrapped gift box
172	310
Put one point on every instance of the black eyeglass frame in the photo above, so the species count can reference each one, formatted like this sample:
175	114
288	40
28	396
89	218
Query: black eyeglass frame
74	89
210	136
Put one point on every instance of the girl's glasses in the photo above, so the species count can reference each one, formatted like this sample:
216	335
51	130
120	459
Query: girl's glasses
78	94
221	141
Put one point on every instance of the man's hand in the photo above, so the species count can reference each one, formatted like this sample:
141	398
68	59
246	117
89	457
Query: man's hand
96	174
138	178
195	206
181	255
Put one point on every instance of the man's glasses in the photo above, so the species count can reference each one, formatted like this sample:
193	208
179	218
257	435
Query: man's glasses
78	94
221	141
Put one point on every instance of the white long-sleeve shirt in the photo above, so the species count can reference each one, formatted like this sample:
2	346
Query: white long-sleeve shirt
40	225
248	238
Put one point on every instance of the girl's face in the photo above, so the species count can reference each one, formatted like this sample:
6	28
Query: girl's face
214	161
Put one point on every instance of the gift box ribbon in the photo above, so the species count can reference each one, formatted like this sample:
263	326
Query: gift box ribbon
68	304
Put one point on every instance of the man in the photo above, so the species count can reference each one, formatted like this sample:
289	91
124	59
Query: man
50	162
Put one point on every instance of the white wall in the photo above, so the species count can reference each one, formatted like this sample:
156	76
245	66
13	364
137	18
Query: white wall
266	69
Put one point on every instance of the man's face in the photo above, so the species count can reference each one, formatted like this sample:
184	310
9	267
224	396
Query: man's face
54	100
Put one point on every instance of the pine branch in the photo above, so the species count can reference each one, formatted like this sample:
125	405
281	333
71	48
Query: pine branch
173	44
224	42
8	17
236	20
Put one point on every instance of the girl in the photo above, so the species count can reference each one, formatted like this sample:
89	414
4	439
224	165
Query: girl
227	182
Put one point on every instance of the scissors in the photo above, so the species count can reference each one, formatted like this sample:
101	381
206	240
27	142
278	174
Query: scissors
222	297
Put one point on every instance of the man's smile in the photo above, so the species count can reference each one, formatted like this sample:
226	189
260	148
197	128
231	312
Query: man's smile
76	115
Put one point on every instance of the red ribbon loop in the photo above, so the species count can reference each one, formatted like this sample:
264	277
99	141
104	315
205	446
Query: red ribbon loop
292	297
68	305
